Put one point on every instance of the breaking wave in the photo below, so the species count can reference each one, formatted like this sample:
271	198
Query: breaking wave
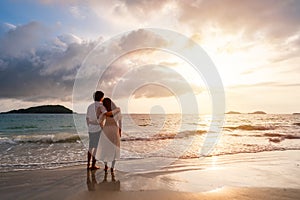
47	139
272	137
251	128
166	136
74	138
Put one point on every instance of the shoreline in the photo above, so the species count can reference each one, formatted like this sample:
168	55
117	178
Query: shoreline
253	175
124	160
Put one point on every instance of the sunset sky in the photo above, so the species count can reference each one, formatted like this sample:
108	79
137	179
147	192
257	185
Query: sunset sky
254	44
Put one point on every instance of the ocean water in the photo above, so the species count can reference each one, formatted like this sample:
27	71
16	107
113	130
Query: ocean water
44	141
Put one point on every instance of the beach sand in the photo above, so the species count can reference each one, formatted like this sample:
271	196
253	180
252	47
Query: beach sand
266	175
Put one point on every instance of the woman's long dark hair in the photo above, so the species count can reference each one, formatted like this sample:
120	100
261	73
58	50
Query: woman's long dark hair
109	104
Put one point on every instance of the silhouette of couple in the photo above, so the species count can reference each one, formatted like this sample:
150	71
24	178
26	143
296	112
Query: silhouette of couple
104	123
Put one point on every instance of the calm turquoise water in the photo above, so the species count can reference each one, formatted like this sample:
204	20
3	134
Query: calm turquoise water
31	141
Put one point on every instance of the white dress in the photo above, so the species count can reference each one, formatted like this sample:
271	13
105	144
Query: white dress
109	143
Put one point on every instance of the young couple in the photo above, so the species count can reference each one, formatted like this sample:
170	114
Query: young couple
104	123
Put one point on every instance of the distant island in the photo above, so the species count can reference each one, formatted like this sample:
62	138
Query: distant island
233	112
296	113
46	109
258	112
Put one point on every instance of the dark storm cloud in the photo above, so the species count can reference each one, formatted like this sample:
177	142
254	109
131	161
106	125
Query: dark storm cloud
22	40
22	78
33	67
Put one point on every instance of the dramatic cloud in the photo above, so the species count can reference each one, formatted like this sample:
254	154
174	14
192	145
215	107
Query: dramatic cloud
268	19
254	44
22	40
43	69
148	81
272	23
33	68
273	17
141	38
118	69
142	8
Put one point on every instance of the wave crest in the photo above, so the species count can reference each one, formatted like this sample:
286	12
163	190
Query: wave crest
251	128
47	139
166	136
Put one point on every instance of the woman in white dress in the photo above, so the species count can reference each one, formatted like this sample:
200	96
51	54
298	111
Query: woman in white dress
109	143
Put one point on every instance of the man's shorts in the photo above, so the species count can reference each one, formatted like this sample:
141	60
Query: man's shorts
94	139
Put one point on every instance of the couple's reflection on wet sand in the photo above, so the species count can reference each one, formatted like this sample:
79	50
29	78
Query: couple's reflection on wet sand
106	181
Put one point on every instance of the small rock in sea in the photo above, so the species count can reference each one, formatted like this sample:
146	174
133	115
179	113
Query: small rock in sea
275	140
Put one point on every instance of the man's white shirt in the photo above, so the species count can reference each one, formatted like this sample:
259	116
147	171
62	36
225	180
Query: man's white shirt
92	116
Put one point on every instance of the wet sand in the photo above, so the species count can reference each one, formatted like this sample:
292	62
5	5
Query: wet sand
267	175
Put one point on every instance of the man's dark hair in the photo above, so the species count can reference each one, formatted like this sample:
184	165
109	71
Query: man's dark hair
98	95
